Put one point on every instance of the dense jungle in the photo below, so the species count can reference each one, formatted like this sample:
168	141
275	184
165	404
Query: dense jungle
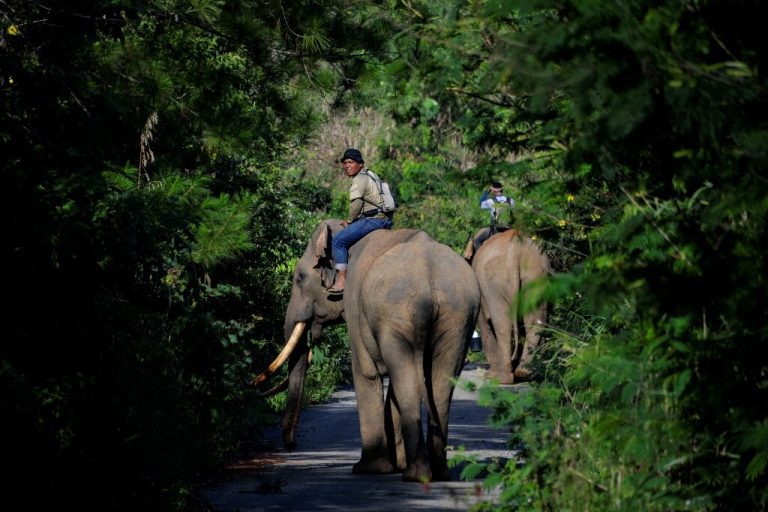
165	161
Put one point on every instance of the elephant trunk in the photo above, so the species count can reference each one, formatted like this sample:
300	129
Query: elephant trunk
297	372
296	352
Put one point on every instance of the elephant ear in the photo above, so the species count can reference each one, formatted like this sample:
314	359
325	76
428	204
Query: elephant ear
469	250
323	243
324	255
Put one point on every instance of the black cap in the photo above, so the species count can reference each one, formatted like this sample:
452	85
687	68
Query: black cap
353	154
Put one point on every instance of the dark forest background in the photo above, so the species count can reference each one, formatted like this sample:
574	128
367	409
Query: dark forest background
164	162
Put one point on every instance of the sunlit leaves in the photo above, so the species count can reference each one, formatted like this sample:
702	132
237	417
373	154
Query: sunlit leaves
222	234
643	163
165	290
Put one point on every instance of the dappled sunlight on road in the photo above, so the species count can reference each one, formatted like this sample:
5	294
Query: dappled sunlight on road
318	474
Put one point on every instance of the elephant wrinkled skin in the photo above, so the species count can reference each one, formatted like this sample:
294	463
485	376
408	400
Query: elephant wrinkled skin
503	265
410	305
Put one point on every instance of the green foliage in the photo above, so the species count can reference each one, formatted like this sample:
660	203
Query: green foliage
630	135
636	163
222	233
150	234
152	229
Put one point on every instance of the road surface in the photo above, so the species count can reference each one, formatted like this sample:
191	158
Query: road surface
318	474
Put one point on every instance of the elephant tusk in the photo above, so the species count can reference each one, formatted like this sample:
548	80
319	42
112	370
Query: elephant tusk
275	390
298	330
283	385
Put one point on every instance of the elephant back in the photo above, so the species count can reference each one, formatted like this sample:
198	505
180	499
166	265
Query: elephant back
364	254
424	274
509	257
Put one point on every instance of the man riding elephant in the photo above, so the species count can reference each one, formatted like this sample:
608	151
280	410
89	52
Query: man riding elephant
365	214
504	264
410	304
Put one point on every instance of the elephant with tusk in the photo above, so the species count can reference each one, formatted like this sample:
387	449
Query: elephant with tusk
410	305
504	263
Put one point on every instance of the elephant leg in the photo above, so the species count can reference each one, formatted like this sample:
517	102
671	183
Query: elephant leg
488	340
501	367
394	431
446	364
437	436
406	379
416	459
369	391
534	323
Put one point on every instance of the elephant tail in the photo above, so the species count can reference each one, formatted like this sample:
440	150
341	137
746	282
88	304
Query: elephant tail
516	279
422	360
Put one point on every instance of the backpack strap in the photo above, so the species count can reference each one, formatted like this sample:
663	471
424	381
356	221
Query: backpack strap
377	181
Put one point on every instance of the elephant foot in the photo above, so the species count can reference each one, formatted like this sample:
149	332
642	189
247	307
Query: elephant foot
418	472
373	466
288	440
441	474
504	378
523	374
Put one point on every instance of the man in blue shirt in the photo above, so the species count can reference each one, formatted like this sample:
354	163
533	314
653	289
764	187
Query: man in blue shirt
493	197
491	200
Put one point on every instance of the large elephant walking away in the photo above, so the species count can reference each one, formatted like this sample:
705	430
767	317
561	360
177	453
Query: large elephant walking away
503	264
410	305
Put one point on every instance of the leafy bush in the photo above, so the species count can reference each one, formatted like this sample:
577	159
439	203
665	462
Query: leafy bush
149	237
630	135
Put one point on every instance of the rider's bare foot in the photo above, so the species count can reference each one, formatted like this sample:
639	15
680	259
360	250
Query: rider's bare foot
338	283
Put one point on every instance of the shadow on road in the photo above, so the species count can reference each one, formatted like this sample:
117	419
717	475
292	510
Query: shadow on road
318	474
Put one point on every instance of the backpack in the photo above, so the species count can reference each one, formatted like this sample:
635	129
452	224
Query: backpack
387	203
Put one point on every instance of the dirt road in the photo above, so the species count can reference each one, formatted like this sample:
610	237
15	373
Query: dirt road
318	474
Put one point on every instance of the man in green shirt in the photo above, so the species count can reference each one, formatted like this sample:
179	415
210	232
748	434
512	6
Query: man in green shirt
365	214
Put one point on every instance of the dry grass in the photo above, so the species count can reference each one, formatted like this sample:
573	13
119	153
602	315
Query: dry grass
364	129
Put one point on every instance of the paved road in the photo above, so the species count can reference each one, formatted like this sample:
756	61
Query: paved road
318	474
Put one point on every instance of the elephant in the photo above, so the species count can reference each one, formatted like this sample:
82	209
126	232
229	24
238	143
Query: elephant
410	305
503	264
